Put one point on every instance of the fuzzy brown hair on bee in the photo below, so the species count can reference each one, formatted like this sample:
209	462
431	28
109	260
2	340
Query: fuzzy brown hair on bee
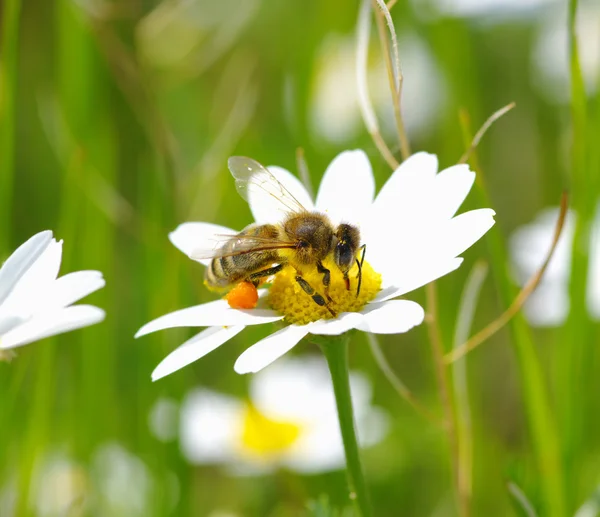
313	235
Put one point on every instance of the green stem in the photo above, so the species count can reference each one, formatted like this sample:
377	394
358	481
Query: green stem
336	353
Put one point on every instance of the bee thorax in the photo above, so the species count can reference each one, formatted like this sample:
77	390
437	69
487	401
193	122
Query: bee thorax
313	235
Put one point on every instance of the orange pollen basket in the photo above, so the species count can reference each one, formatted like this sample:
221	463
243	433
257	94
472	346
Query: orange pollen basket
243	296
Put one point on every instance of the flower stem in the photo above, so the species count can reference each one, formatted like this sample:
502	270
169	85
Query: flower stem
336	353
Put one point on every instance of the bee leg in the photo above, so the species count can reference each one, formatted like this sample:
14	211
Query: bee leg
317	298
256	277
326	279
347	281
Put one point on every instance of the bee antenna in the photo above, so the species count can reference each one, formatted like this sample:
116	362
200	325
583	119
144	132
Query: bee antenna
360	265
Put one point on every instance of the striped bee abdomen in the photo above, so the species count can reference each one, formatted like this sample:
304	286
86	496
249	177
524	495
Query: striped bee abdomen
237	261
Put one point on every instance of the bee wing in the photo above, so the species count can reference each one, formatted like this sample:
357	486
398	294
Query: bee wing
260	188
238	245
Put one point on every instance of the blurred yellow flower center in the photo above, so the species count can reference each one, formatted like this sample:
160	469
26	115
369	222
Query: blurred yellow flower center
287	296
265	437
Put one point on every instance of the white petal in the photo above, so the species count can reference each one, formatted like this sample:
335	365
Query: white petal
210	427
72	287
347	188
217	313
451	187
189	237
267	208
8	322
195	348
418	248
463	231
51	324
403	194
33	292
418	277
269	349
21	260
336	326
392	317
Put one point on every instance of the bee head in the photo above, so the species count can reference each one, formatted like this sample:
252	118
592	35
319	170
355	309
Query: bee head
348	242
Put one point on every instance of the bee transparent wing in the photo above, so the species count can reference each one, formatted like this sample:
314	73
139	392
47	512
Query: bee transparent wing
231	245
257	185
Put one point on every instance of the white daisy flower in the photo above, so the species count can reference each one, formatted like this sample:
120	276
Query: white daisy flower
551	55
411	238
335	113
548	305
488	11
123	483
34	303
184	38
289	421
60	485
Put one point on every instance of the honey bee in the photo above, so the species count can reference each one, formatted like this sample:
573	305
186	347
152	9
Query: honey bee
303	239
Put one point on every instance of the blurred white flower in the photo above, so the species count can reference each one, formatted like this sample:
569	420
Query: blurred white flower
34	303
550	57
289	421
186	37
549	303
334	110
548	18
117	483
411	235
487	11
123	484
60	487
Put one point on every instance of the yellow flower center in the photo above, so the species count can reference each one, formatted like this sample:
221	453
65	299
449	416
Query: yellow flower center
287	296
265	437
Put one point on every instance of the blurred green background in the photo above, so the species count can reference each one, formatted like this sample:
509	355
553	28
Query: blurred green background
117	119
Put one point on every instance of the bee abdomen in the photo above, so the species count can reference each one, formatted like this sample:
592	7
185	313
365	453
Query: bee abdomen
232	268
218	273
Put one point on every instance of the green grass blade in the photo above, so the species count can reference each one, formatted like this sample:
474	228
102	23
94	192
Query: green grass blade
576	353
542	427
8	92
